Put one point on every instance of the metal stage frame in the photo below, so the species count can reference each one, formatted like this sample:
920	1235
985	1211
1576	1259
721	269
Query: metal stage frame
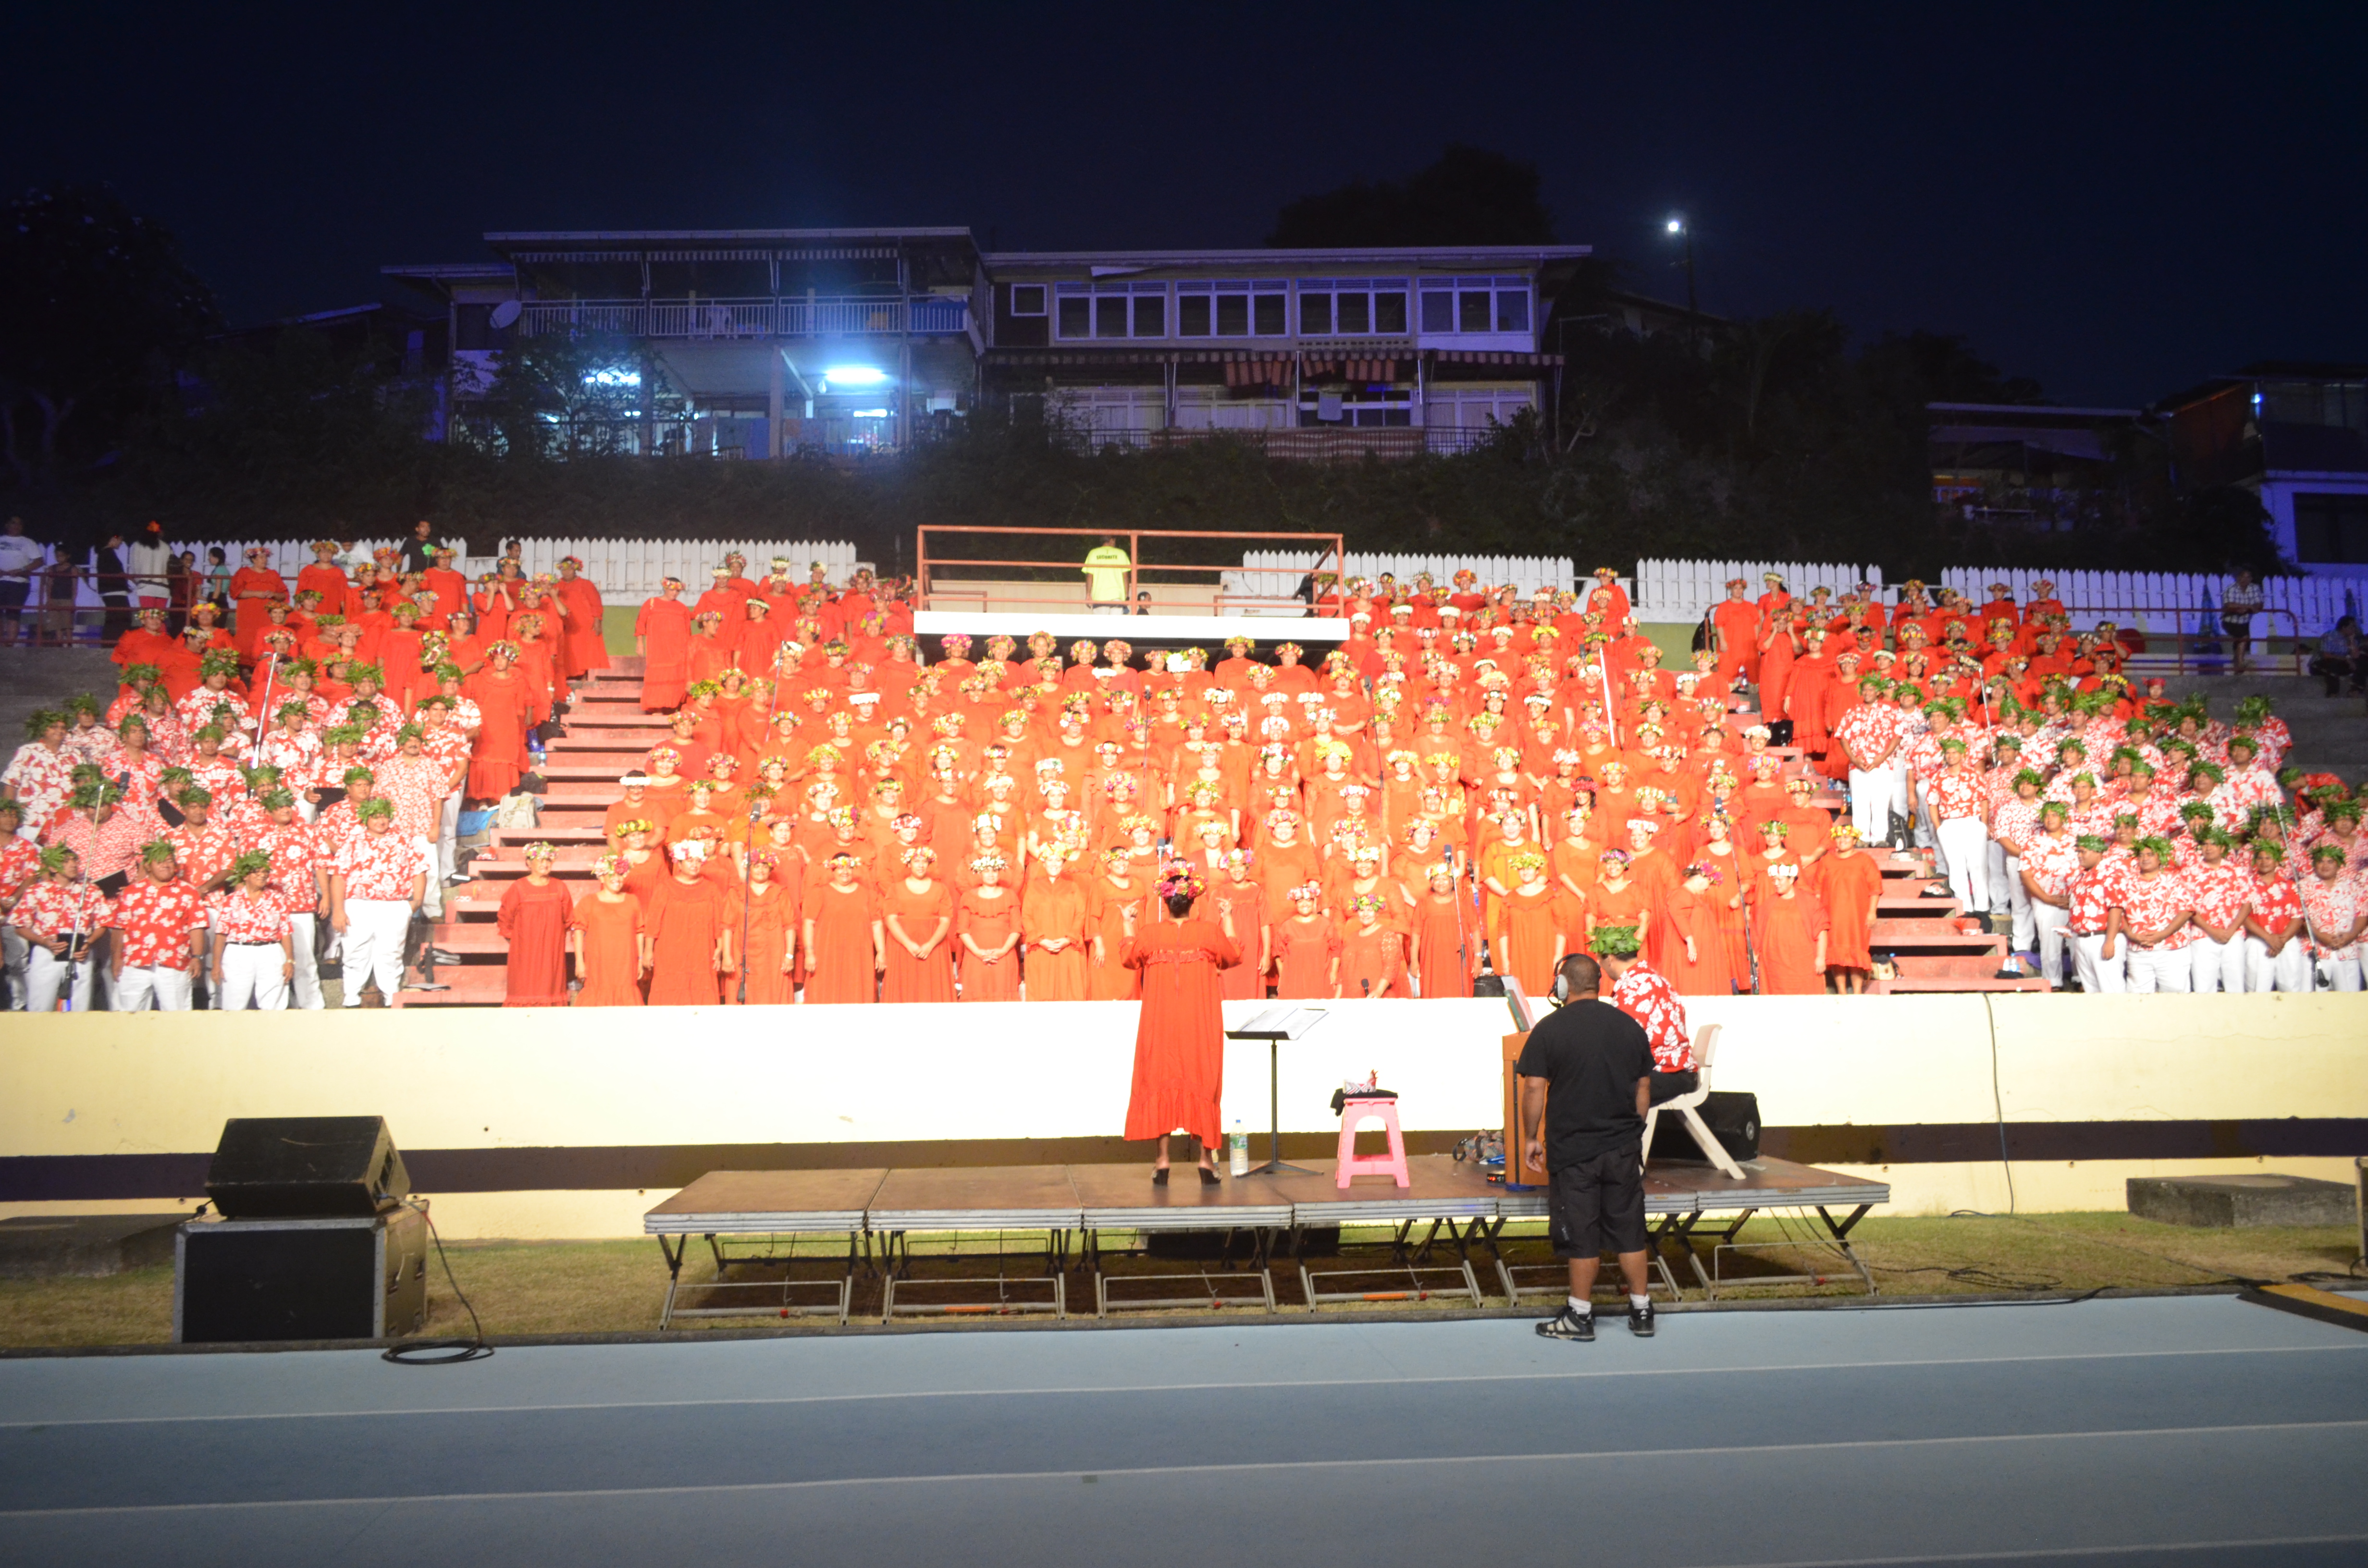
1443	1229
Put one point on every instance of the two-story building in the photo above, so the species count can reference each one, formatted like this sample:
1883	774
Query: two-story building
1417	348
772	343
2297	434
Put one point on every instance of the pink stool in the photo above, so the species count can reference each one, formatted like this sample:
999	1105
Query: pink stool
1355	1113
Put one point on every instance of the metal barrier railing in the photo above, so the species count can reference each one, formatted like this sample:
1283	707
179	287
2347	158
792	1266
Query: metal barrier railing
2187	650
1327	552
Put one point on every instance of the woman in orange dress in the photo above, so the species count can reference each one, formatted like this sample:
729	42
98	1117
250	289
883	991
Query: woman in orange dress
1531	923
1244	897
1617	901
1108	898
1788	925
764	912
505	700
987	924
1306	949
1180	1041
662	636
1695	937
1372	953
916	911
1849	883
689	938
1053	927
533	923
1445	956
846	945
604	932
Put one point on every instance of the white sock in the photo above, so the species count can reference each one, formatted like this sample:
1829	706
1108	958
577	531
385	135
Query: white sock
1584	1309
1638	1304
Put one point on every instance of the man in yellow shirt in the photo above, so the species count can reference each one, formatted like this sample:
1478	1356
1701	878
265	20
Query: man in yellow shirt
1106	576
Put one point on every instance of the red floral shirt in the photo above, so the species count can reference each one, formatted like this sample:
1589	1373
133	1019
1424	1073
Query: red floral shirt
416	785
20	866
1954	795
378	865
2332	907
155	919
2149	904
49	908
2220	893
203	853
2276	902
248	917
2094	891
1645	997
41	777
2052	861
295	850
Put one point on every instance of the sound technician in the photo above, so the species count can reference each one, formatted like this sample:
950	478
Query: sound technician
1585	1081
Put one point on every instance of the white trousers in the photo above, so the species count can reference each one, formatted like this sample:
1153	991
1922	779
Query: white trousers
13	950
2339	971
2289	970
45	977
250	977
432	901
308	962
1870	800
1965	845
1927	834
2159	968
448	837
374	932
2217	966
2049	918
137	986
2101	975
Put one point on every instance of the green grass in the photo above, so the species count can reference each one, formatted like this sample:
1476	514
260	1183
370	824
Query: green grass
549	1288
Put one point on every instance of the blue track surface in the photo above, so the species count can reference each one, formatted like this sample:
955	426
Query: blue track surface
2174	1431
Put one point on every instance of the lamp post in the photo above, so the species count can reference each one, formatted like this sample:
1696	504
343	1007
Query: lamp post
1679	226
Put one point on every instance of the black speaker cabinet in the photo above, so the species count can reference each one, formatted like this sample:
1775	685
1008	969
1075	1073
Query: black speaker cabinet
1732	1119
350	1278
303	1167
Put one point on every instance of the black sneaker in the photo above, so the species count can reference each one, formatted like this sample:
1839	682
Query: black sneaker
1568	1324
1640	1321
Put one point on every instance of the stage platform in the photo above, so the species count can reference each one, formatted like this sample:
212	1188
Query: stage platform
1144	631
866	1218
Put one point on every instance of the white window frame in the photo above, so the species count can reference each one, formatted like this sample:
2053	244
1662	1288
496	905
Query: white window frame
1334	288
1251	290
1095	294
1496	289
1043	300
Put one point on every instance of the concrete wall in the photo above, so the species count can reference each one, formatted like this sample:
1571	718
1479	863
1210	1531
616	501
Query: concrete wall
550	1123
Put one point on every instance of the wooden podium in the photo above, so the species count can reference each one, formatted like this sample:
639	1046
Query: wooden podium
1517	1173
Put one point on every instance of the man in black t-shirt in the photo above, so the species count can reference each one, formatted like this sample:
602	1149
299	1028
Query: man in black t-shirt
1585	1078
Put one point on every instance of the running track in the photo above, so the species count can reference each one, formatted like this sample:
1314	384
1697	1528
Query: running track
2175	1431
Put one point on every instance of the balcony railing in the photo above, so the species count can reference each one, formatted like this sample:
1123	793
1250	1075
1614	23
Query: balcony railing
785	316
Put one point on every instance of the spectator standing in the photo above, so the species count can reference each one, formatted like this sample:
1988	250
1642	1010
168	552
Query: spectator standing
420	549
111	576
2238	604
20	558
2339	654
150	560
1107	570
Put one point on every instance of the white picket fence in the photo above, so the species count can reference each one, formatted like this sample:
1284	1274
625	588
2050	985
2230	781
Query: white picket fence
2168	602
624	569
1685	590
1274	574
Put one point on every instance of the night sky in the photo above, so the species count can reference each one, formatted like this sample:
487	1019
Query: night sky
2118	200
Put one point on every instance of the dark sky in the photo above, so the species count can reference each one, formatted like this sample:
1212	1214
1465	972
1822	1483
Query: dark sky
2117	201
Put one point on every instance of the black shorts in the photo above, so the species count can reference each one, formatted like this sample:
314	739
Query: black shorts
1597	1206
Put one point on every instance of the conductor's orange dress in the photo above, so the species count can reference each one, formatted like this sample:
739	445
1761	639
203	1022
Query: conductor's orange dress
610	966
1531	922
663	627
1785	931
497	758
1443	931
1689	914
1180	1041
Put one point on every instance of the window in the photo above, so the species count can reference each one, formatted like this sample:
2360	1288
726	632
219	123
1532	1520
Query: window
1110	310
1233	310
1351	307
2331	529
1474	304
1027	299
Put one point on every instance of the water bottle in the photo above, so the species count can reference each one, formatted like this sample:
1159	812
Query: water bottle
1238	1144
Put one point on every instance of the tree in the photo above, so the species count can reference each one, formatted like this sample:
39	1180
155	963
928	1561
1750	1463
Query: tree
573	394
96	308
1471	197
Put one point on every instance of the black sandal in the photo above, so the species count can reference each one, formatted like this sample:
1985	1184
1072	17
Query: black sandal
1159	1177
1208	1177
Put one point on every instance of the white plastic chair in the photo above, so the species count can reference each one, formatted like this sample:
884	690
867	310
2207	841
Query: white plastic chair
1705	1047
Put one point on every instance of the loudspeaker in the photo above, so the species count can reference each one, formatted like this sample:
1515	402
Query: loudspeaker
238	1281
299	1167
1732	1119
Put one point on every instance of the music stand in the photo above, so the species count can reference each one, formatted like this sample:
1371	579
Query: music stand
1274	1026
